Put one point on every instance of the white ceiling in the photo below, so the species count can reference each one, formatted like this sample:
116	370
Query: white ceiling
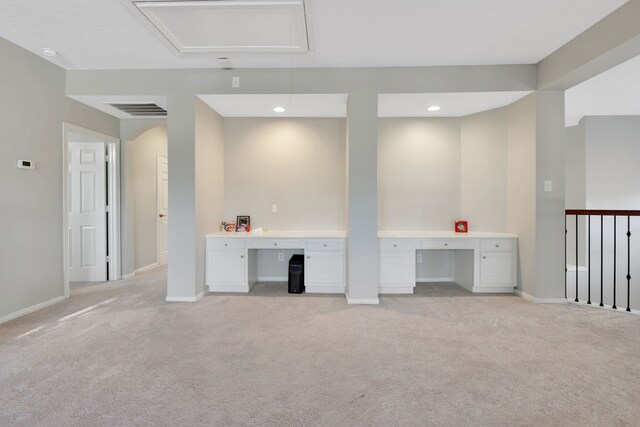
107	35
616	92
321	105
451	104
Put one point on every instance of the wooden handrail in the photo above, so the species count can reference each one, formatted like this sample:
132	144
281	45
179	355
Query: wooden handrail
605	212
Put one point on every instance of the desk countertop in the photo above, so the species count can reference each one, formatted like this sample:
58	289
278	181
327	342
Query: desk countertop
277	234
444	234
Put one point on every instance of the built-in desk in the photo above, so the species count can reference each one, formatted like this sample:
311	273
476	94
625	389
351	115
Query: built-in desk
483	262
231	264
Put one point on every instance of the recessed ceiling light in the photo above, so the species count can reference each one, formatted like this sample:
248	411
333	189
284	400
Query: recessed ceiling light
47	51
279	110
224	60
433	108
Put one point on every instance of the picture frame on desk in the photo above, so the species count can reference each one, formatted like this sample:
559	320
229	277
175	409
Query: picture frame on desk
243	223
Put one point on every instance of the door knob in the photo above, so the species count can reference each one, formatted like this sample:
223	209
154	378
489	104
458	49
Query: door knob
162	215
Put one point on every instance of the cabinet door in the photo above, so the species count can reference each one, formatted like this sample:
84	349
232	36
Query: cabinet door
397	268
496	267
324	268
228	267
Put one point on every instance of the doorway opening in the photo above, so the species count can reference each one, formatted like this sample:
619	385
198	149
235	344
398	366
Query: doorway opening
91	211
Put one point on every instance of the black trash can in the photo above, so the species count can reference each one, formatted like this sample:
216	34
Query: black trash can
296	274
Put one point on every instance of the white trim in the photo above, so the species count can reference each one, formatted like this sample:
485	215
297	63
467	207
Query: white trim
113	147
31	309
362	301
536	300
395	290
605	307
196	298
244	289
434	279
146	268
493	289
128	276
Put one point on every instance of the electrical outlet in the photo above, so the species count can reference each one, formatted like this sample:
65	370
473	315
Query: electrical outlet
548	186
280	256
274	208
235	82
419	257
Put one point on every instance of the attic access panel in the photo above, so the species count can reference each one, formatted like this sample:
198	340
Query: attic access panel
228	25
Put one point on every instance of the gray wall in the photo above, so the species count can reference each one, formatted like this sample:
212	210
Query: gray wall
210	169
521	186
483	169
418	173
32	111
297	163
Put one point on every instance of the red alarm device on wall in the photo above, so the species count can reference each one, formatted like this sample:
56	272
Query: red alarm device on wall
462	226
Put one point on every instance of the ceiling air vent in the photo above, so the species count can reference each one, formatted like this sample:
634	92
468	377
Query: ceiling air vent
226	25
146	109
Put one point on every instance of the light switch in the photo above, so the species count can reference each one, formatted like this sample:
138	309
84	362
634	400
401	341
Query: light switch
274	208
548	186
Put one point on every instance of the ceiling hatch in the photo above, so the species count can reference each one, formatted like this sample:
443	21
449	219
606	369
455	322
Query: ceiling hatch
137	109
227	25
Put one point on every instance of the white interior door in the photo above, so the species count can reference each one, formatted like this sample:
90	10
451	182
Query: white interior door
162	201
87	223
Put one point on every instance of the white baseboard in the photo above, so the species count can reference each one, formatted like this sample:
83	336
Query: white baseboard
531	298
128	276
147	268
434	279
186	299
362	301
606	307
230	288
493	290
391	290
31	309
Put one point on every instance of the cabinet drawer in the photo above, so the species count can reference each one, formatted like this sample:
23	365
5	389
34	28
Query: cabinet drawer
395	244
458	243
325	245
496	245
225	243
274	244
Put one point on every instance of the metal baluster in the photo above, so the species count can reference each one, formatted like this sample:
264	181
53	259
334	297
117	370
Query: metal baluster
589	259
601	260
576	300
614	262
628	263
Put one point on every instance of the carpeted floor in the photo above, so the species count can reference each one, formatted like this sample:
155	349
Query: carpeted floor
118	355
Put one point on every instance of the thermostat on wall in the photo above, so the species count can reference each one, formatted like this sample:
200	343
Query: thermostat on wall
26	164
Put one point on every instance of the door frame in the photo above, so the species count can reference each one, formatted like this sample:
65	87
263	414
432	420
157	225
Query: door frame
112	146
158	156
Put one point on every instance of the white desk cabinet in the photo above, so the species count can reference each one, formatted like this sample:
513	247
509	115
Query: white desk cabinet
231	264
397	266
483	262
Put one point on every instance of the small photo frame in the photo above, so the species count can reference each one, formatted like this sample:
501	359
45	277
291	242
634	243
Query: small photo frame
243	223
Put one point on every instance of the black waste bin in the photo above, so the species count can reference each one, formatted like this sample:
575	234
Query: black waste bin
296	274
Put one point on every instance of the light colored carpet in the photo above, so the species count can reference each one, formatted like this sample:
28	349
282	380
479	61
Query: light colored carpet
440	357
